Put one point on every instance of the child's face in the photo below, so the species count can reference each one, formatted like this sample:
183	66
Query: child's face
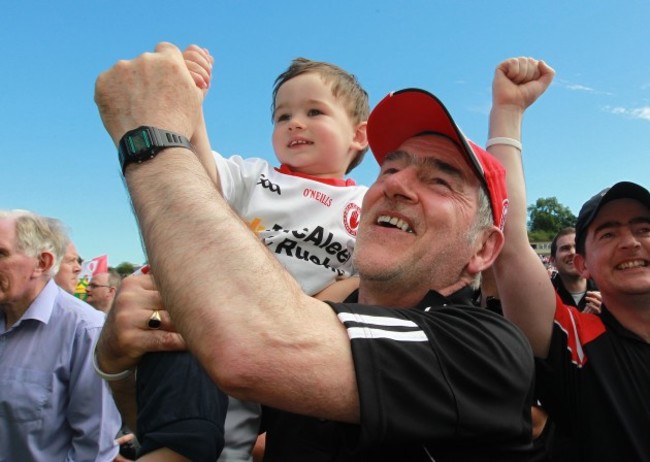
313	133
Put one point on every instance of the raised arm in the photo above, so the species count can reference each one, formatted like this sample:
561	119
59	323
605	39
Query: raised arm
199	63
527	296
241	313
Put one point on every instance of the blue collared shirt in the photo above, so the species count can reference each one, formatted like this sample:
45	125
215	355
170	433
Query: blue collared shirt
53	406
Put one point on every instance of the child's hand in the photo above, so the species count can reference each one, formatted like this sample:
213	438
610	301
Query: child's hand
520	81
199	63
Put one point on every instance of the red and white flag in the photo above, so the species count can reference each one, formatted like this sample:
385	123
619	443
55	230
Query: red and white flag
88	269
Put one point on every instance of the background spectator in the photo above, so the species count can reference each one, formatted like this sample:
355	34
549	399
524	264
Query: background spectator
53	404
102	288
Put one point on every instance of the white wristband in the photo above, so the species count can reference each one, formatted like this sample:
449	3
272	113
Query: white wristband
110	377
503	140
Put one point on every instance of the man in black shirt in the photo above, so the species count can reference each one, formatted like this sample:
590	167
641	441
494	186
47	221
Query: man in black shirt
593	372
572	288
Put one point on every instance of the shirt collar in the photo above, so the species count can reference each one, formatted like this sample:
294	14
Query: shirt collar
432	299
42	306
330	181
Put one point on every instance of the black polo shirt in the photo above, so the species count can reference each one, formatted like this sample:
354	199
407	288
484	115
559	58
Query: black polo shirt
595	383
444	381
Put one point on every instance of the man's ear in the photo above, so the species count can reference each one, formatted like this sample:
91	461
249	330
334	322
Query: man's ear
45	263
581	265
360	140
487	246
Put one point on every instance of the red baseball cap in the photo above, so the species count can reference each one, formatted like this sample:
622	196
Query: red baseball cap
411	112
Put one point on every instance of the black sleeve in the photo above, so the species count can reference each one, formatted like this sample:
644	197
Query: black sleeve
458	374
179	407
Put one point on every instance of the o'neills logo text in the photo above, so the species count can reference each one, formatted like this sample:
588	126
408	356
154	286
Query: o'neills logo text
319	196
351	218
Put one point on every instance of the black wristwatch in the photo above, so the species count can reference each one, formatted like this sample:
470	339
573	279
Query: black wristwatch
144	143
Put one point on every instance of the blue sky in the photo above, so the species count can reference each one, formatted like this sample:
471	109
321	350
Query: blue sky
590	129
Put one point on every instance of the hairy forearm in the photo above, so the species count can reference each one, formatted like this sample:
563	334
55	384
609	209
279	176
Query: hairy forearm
202	256
241	313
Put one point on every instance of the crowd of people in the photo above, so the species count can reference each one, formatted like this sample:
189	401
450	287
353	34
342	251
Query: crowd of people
424	329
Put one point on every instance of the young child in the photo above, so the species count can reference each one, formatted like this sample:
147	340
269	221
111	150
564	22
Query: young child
305	211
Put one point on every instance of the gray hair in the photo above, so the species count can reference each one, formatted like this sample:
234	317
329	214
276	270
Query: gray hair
483	217
36	234
483	220
114	278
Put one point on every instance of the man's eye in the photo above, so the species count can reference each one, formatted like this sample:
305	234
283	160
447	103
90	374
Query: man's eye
606	235
645	229
389	171
282	118
314	112
438	181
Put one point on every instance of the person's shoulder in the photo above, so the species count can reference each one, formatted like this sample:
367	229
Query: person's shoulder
77	311
451	312
469	318
251	162
470	313
573	321
242	166
357	188
446	323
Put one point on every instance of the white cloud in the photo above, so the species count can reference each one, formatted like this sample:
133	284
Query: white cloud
578	87
642	113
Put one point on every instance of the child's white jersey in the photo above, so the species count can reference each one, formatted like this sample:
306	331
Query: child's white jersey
309	224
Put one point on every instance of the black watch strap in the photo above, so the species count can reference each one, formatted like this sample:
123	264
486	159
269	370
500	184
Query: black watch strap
145	142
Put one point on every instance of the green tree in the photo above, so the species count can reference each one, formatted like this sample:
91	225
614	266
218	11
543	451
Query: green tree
540	236
125	268
548	216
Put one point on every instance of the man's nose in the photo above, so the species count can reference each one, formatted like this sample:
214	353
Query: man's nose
628	238
400	185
